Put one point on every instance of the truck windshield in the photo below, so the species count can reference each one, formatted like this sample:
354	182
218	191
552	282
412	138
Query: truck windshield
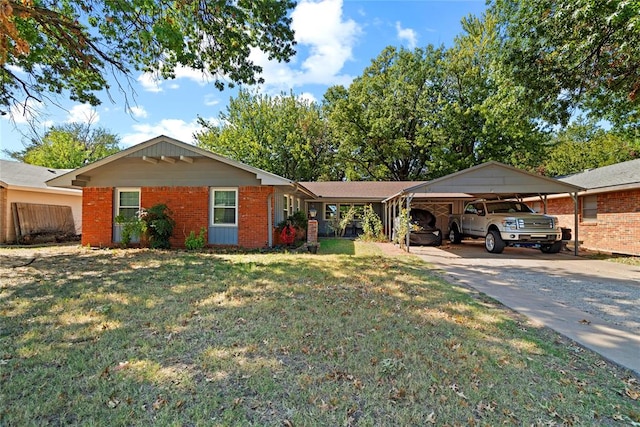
508	207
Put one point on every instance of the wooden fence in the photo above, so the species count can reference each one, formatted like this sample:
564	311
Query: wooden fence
45	221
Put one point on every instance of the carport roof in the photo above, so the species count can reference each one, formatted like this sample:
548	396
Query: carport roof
493	180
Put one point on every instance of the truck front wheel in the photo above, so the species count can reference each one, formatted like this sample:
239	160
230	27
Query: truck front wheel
493	242
454	235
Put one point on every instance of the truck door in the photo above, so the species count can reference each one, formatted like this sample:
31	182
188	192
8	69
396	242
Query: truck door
480	222
468	219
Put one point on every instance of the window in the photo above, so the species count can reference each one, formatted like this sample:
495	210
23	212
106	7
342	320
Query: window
288	203
224	207
128	202
590	208
285	204
330	211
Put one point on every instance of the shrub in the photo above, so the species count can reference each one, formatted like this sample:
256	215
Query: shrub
159	226
193	242
371	225
132	227
340	223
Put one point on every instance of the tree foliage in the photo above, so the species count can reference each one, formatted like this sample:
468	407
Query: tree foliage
583	146
386	119
52	46
68	146
574	54
422	114
483	116
284	134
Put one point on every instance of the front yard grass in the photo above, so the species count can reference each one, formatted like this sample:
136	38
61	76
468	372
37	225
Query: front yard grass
345	337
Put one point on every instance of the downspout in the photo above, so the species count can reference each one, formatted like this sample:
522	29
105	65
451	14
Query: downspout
270	220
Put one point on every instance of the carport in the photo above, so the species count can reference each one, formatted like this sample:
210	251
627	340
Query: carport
491	180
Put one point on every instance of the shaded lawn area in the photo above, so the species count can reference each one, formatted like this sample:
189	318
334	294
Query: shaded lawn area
345	337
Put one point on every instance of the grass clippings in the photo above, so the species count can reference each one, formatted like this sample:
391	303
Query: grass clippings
138	337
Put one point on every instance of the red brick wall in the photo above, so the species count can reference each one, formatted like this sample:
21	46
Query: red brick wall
617	228
253	219
189	206
97	216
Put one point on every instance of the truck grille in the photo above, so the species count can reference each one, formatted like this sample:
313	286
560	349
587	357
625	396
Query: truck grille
536	223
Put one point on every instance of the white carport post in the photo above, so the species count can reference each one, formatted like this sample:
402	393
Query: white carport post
408	236
574	196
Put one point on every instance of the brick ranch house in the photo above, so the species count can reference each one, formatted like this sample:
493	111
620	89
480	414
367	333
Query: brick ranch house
241	205
235	203
608	210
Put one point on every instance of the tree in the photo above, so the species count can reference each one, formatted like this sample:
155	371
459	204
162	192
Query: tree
574	55
483	114
72	45
68	146
386	121
583	145
285	135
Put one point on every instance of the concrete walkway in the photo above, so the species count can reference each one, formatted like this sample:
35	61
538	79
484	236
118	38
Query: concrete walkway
548	287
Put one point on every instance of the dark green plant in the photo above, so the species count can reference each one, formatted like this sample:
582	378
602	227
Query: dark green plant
193	242
299	220
159	226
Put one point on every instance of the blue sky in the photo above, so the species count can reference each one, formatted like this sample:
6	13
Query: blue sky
337	39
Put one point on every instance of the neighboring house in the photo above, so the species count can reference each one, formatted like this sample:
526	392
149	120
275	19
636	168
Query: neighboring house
24	185
235	203
609	209
335	198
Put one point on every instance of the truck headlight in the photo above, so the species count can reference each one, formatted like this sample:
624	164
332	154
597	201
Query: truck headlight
510	223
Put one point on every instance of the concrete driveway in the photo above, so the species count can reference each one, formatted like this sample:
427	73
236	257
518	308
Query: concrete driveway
595	303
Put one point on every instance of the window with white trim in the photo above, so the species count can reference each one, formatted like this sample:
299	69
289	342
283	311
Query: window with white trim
589	208
224	206
285	206
127	202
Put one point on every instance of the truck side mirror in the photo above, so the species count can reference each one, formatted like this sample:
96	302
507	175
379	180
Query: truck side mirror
480	212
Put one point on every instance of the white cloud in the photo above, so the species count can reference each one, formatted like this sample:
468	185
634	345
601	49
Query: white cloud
24	112
174	128
83	113
407	34
150	82
307	96
211	100
319	29
139	112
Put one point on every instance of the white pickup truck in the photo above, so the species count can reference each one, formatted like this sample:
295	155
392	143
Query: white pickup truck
506	223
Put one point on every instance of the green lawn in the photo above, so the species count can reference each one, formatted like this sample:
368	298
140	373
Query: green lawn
345	337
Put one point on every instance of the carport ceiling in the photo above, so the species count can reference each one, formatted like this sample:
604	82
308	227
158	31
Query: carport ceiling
494	180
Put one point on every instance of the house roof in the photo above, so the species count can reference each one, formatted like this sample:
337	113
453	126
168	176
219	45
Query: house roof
74	178
26	177
625	174
354	190
493	180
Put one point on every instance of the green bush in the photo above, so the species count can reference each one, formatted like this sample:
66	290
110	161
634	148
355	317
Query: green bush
371	225
193	242
159	226
132	228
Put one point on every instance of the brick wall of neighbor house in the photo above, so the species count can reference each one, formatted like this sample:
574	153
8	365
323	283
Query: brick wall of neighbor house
617	228
97	216
189	206
253	220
